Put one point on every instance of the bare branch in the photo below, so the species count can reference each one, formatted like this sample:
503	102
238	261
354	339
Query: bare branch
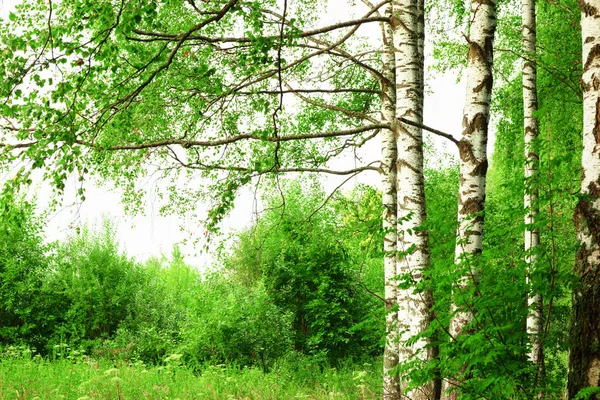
18	145
218	167
563	79
432	130
309	91
331	195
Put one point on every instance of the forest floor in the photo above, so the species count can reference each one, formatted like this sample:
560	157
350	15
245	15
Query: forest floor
37	379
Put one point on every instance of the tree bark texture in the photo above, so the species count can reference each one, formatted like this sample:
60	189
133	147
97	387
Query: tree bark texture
391	389
414	307
531	196
473	158
584	354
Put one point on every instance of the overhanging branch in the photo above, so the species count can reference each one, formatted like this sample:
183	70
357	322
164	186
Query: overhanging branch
158	36
186	143
429	129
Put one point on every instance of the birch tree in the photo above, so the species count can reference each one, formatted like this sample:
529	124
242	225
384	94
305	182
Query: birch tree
584	352
531	197
473	160
414	305
389	153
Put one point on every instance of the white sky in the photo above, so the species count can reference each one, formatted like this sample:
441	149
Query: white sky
148	235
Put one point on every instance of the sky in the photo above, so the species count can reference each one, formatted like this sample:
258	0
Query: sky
150	235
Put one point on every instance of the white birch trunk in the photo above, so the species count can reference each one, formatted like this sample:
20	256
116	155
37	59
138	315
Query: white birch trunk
391	389
584	354
414	313
473	159
531	196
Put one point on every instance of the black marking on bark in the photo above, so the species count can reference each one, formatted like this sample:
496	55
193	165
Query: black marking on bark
480	169
486	84
587	216
531	131
587	8
594	189
476	53
479	123
589	39
471	206
596	130
403	163
395	22
489	48
465	151
592	55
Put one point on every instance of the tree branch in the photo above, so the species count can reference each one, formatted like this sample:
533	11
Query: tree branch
432	130
204	167
158	36
18	145
225	141
309	91
180	40
345	111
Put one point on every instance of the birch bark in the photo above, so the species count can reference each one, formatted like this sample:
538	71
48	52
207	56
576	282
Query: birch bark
584	354
391	389
414	315
531	195
473	158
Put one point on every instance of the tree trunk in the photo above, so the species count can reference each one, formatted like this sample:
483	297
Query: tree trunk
531	196
473	159
414	307
391	389
584	355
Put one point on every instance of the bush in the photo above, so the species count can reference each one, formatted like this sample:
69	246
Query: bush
91	289
23	263
300	255
230	323
160	310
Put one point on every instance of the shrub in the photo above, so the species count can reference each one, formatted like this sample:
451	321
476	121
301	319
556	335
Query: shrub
23	263
234	324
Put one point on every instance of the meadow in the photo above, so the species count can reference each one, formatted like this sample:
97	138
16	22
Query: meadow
78	377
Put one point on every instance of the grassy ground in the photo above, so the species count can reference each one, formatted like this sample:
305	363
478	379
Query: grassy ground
80	379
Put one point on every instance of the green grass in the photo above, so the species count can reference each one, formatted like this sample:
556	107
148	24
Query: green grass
37	378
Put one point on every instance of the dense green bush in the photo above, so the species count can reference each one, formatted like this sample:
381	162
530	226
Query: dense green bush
305	280
298	251
91	288
23	263
160	308
233	324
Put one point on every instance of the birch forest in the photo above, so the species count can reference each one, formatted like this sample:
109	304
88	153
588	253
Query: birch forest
383	258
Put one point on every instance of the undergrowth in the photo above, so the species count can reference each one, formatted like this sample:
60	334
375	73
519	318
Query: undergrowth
78	377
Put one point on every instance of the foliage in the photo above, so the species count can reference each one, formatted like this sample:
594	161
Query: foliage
152	328
116	89
233	324
23	263
92	286
89	89
491	359
301	257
